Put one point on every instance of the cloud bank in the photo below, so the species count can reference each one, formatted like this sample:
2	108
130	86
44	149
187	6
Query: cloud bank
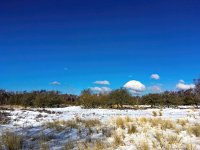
183	86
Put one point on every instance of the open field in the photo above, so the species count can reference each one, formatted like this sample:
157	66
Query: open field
77	128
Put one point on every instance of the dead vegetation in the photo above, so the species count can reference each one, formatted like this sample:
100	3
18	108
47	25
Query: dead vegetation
11	141
93	134
4	117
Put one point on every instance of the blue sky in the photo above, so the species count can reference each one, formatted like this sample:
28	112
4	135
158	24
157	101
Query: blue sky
79	42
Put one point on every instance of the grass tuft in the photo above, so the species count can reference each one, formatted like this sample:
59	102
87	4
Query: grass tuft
91	123
144	146
120	122
190	147
117	140
132	129
4	118
69	146
160	113
12	141
154	113
99	145
195	130
62	125
182	122
173	139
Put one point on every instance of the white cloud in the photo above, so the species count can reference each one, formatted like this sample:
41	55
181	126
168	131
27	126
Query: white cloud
134	92
182	86
135	87
101	89
156	88
104	82
181	81
55	83
155	76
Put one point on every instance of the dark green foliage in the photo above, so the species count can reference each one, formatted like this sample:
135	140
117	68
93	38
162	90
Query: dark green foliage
152	99
172	98
91	100
119	97
4	96
115	99
37	98
197	92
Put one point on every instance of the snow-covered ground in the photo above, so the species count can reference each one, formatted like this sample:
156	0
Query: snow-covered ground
36	116
148	123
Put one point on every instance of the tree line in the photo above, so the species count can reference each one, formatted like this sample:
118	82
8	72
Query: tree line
40	98
118	98
121	97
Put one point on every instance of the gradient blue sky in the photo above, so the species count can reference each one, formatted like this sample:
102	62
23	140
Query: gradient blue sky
81	41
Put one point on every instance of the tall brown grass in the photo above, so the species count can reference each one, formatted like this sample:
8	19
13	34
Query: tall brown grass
12	141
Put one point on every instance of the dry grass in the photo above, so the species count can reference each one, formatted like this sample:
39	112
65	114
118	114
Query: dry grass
193	109
99	145
132	129
143	120
156	132
128	119
107	131
127	126
44	146
168	124
159	137
90	122
160	113
12	141
154	113
195	130
117	140
190	147
55	125
167	141
69	146
144	146
74	123
155	122
4	117
182	122
163	124
91	145
120	122
62	125
70	124
163	139
83	145
173	139
1	146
